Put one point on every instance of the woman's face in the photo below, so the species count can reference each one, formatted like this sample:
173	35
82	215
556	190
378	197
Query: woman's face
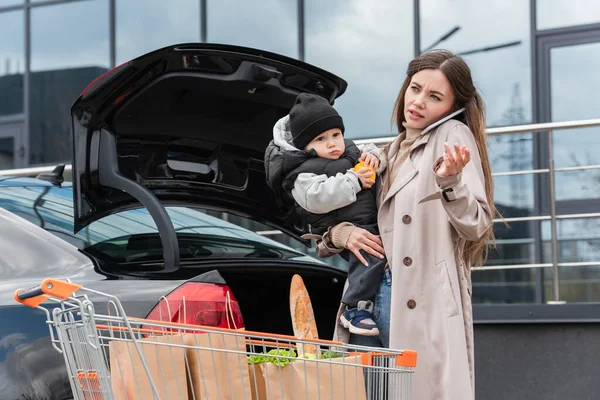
428	98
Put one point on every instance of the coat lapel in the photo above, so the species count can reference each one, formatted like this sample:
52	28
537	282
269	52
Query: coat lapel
407	170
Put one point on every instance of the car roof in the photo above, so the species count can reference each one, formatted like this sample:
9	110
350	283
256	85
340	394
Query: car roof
12	181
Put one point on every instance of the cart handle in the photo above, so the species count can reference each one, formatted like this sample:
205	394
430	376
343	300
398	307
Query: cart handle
36	295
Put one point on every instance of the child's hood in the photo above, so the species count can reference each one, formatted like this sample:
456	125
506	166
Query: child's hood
282	135
281	156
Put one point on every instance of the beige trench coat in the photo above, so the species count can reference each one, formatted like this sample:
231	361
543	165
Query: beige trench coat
423	235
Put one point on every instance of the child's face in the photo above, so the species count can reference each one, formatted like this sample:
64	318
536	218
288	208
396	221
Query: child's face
329	144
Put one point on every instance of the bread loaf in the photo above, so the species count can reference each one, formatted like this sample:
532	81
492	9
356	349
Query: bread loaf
303	317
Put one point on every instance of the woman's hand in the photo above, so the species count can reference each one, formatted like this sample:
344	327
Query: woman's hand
362	239
370	160
454	161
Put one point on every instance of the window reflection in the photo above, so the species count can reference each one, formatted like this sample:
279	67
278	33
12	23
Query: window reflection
7	153
514	195
12	62
578	242
515	245
52	209
270	25
157	24
578	185
560	13
503	75
66	55
369	44
573	85
5	3
507	286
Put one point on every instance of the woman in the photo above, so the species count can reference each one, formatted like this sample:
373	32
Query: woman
435	205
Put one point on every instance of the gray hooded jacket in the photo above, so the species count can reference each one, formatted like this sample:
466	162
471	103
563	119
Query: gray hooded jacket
323	195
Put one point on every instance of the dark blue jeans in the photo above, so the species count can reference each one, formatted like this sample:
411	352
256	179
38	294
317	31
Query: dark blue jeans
381	315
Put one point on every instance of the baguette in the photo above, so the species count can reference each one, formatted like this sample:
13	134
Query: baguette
303	318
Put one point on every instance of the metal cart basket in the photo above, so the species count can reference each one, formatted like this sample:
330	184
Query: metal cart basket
113	356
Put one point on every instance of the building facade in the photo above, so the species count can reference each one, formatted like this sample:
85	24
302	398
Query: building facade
533	61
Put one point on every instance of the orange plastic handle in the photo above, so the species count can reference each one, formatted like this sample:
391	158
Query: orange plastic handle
49	287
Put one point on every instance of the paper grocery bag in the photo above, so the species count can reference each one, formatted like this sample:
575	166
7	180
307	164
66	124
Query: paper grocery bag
220	370
257	382
312	379
166	364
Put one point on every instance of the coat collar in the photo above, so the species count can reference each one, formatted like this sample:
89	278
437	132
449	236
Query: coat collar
408	169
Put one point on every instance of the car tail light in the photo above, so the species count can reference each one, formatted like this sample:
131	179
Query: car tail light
198	303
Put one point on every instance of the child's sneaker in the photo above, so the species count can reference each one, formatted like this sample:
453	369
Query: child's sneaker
359	320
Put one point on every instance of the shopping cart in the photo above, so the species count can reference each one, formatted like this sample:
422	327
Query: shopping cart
113	356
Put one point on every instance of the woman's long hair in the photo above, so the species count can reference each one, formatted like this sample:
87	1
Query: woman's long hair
458	74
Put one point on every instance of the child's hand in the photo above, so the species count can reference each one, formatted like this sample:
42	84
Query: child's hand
365	176
370	160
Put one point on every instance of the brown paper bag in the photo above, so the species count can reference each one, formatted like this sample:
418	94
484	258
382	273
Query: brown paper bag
166	364
310	379
217	374
257	382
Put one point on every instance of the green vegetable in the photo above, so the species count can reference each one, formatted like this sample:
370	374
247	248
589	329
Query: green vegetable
256	359
281	362
285	357
331	354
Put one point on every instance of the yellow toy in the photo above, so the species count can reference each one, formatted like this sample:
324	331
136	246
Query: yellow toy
361	165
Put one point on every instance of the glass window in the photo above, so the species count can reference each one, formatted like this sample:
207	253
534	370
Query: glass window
12	62
515	245
494	38
155	25
508	286
369	44
578	242
7	153
514	195
270	25
5	3
577	185
573	84
268	232
559	13
132	235
69	49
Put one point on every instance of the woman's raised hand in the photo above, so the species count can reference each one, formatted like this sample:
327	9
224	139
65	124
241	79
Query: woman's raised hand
362	239
454	161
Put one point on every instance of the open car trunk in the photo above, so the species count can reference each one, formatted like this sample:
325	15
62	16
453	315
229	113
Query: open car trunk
187	125
251	288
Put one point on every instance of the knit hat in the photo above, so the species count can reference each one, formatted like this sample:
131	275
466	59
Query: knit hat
311	116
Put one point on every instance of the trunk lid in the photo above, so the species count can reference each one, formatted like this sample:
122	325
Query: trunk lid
187	125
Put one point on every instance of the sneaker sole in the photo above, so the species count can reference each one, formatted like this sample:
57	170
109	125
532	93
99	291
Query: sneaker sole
358	331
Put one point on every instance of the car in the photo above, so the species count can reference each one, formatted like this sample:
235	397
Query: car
162	146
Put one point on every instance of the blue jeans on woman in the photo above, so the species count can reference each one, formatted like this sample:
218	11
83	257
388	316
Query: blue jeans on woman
381	315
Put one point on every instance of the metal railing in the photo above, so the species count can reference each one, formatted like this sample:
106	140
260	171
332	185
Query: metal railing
551	170
510	130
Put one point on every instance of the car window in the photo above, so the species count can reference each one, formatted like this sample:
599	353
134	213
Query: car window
132	235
